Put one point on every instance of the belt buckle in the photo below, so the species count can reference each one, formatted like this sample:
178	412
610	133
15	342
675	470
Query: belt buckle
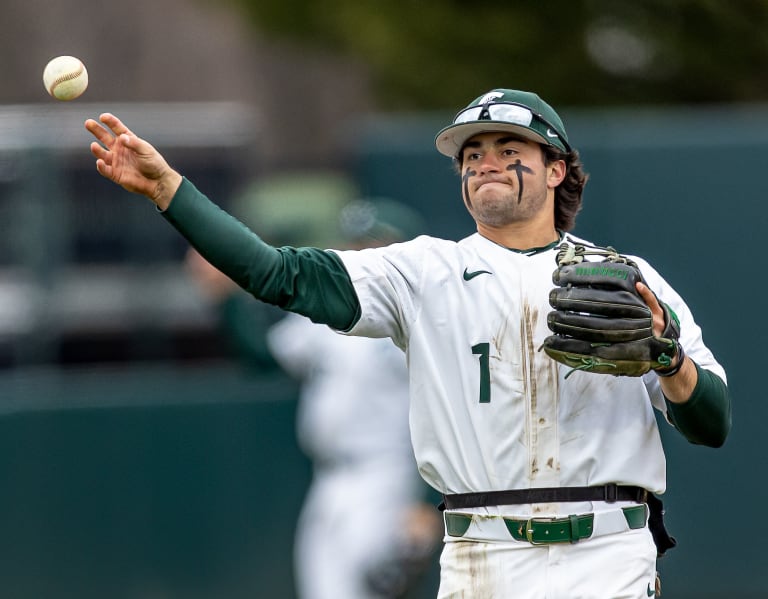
529	530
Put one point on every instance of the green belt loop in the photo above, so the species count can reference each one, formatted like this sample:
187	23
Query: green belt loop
635	515
456	525
574	528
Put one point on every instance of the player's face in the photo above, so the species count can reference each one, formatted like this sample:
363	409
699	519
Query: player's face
505	179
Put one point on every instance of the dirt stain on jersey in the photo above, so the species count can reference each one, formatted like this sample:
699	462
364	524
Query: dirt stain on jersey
527	328
498	342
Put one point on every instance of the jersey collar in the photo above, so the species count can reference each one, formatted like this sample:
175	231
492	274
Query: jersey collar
539	250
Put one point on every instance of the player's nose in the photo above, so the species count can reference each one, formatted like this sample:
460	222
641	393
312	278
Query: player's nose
490	163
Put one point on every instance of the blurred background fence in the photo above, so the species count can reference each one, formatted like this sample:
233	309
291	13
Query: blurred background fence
139	460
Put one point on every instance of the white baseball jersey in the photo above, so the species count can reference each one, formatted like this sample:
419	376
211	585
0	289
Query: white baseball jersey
489	411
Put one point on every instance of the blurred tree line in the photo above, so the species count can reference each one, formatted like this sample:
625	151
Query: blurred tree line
426	54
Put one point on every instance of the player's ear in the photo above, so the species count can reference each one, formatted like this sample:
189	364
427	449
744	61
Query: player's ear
555	173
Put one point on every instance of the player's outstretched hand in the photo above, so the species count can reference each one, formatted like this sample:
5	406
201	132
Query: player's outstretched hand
131	162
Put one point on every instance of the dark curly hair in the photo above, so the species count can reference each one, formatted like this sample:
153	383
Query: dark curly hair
568	195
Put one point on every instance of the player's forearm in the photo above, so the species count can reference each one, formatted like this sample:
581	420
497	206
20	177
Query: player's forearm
705	417
679	387
308	281
221	239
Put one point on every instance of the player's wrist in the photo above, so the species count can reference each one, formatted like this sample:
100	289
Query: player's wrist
166	189
674	368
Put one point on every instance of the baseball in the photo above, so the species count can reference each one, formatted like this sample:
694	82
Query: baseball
65	77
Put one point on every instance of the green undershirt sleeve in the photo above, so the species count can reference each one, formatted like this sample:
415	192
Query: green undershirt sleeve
705	419
309	281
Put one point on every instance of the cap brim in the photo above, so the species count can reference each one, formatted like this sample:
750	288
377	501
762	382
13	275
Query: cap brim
452	138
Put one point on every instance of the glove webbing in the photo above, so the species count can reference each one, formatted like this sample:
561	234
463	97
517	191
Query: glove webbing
574	254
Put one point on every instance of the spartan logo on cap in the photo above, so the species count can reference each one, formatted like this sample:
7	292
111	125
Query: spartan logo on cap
489	97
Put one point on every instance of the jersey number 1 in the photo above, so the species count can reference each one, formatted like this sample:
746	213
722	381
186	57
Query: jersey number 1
484	351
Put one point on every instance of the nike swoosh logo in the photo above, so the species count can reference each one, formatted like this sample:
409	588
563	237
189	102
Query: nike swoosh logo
468	276
551	133
650	592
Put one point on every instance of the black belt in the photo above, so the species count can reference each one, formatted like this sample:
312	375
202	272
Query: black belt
610	493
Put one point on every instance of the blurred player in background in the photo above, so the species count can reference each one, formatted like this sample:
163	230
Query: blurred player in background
365	530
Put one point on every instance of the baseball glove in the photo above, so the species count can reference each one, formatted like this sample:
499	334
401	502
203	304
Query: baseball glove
600	322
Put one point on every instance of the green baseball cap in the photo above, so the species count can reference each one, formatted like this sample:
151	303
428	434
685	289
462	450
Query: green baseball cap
524	113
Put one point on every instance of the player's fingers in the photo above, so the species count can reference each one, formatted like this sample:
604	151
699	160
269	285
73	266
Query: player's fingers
90	124
99	132
104	169
133	143
99	152
649	297
138	146
115	124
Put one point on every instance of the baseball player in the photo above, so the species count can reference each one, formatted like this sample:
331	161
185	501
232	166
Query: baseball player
548	471
352	422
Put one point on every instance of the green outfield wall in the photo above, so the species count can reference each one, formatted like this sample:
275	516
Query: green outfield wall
150	482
